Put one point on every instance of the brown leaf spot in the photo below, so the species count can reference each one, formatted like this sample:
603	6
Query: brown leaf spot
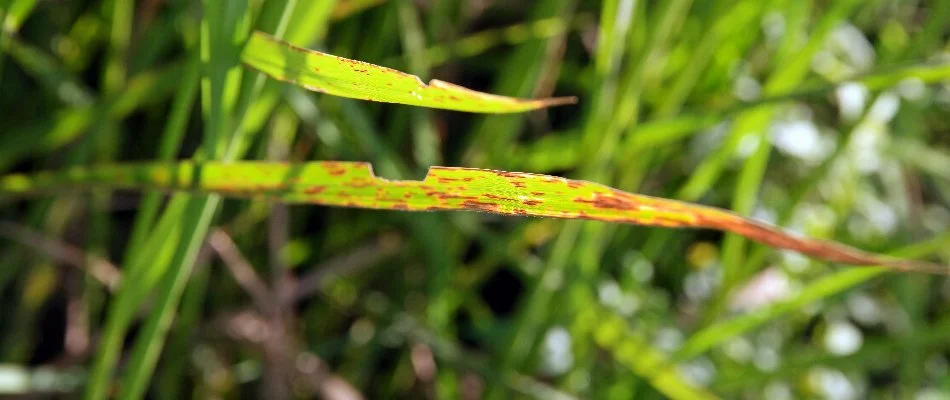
496	197
607	201
479	205
315	189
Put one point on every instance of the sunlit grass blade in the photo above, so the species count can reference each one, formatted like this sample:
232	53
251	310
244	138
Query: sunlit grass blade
344	77
353	184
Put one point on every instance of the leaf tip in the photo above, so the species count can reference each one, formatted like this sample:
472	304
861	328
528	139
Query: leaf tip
558	101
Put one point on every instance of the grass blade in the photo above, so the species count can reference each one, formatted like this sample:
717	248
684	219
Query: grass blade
338	76
353	184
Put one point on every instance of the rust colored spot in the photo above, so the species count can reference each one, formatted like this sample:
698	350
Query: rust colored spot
519	184
495	197
611	202
538	193
574	184
315	189
519	211
479	205
468	179
507	174
446	180
531	202
448	196
336	172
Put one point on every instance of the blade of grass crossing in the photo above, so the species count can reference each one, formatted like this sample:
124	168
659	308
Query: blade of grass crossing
149	343
169	378
140	275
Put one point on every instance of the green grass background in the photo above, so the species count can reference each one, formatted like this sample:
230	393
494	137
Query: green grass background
829	118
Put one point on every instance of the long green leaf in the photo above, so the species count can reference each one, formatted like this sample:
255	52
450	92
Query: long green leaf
353	184
338	76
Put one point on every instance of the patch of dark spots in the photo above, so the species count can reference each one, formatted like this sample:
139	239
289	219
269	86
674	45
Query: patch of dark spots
531	202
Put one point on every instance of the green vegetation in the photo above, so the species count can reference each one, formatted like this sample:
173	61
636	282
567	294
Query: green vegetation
826	118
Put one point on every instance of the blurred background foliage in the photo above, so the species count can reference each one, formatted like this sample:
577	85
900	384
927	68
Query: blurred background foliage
827	117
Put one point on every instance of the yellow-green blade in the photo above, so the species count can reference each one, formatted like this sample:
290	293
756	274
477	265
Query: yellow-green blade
353	184
338	76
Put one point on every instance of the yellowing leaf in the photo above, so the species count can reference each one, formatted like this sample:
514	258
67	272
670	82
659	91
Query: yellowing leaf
338	76
353	184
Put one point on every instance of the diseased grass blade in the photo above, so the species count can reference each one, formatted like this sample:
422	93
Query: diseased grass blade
338	76
353	184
